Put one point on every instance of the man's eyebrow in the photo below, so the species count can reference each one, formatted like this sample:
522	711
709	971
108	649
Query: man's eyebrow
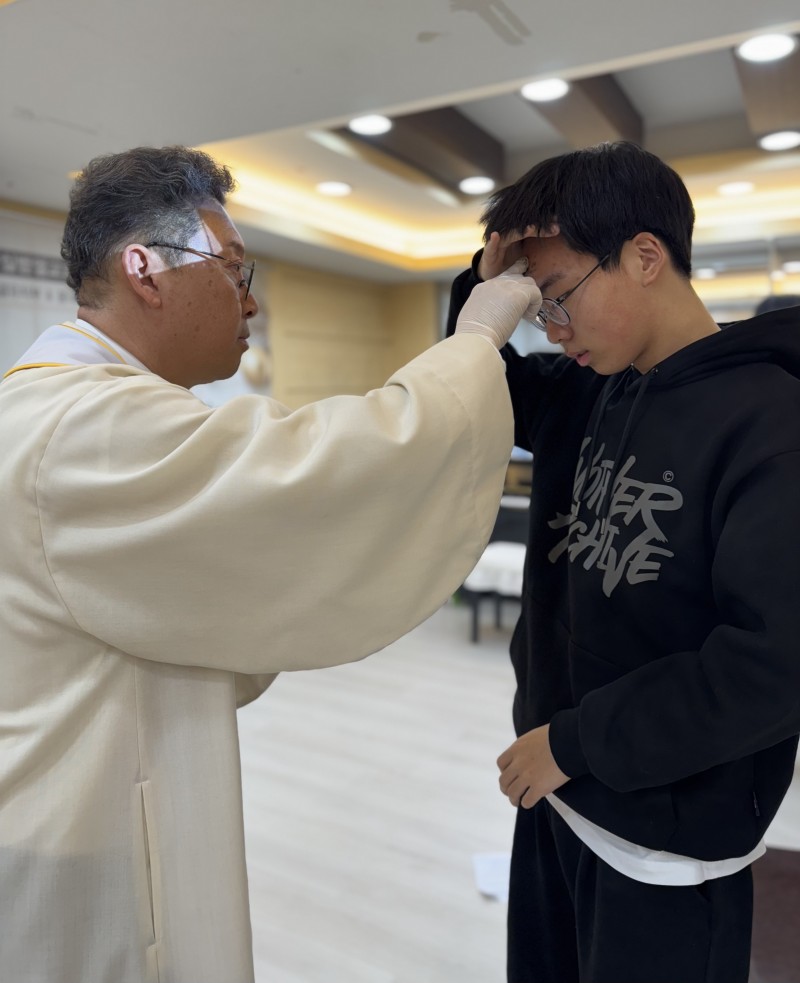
549	280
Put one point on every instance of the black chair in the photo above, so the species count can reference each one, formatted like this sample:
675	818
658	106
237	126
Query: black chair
511	527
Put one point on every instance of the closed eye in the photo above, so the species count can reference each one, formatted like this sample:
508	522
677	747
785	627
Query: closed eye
548	281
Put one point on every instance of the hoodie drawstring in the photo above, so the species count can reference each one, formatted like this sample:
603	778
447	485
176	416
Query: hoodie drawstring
608	394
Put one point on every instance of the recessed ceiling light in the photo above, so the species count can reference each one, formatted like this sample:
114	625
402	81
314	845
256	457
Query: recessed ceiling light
477	185
370	126
545	90
782	140
334	189
767	47
705	273
736	188
791	266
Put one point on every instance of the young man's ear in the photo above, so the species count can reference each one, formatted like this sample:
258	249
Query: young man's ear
650	256
138	265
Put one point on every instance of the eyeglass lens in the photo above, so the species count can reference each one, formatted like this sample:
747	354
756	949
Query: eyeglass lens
550	310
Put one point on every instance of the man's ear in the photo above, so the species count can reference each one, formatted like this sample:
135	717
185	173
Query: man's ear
650	256
138	265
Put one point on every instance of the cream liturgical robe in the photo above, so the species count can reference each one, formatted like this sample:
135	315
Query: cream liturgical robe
160	562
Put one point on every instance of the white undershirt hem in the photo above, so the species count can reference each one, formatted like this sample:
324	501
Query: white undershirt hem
645	865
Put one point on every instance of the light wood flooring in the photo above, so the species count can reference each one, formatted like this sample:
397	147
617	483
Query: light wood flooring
367	790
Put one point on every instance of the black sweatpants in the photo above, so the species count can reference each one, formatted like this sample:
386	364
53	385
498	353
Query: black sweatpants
574	919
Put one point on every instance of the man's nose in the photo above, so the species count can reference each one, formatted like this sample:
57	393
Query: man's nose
250	306
557	334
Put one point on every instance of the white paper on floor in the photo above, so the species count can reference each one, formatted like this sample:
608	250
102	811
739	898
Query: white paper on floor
491	874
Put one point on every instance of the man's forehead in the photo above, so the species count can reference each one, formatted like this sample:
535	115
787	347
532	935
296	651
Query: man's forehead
549	259
219	228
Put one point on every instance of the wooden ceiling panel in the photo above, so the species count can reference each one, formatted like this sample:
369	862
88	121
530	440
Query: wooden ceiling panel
594	110
440	145
771	93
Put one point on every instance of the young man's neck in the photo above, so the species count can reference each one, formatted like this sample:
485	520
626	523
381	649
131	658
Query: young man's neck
685	319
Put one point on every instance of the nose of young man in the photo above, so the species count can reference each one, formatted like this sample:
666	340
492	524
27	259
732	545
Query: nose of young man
562	334
558	334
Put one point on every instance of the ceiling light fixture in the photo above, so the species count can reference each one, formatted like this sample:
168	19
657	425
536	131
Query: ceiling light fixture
334	189
545	90
782	140
767	47
705	273
477	185
791	266
370	126
732	188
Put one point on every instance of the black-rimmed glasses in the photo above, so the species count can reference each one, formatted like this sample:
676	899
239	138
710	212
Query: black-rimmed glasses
242	270
554	310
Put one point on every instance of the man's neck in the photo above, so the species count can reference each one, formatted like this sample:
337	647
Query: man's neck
113	324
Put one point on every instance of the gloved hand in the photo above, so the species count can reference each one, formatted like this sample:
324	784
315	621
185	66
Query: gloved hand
496	307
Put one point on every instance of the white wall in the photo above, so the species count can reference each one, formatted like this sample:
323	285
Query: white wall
33	294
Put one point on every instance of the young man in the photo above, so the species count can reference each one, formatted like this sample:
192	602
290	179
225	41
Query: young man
160	561
656	656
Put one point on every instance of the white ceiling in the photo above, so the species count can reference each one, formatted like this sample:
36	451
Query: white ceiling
249	79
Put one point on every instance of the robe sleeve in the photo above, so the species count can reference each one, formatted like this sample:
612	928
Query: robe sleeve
250	687
257	539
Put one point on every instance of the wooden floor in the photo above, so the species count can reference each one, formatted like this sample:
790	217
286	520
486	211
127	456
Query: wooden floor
367	790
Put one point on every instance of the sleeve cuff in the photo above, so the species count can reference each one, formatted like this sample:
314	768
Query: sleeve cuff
565	743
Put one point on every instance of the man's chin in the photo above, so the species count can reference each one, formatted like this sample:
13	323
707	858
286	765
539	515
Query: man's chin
227	372
219	373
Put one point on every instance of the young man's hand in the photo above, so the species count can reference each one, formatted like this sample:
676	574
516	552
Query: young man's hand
500	252
528	770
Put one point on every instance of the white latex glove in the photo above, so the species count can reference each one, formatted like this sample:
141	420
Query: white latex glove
496	307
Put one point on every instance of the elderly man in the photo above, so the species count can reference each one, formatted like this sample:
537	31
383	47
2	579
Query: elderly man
162	560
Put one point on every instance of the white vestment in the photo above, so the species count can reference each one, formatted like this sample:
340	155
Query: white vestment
160	562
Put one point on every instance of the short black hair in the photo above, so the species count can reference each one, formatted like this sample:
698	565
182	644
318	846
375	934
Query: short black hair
147	194
600	197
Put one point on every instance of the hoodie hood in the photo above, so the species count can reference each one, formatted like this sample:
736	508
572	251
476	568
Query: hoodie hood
771	337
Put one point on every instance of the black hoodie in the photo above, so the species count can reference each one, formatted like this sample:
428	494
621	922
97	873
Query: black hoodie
660	626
